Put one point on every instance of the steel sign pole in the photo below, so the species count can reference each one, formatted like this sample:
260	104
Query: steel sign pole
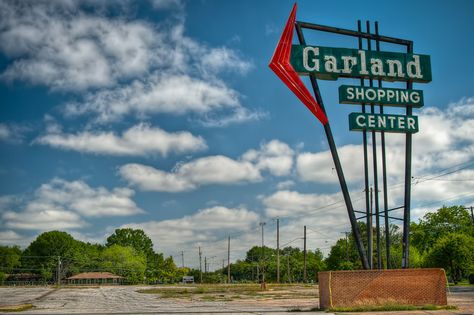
374	162
366	164
337	165
407	204
384	171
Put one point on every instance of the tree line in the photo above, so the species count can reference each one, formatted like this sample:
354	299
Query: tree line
57	255
443	239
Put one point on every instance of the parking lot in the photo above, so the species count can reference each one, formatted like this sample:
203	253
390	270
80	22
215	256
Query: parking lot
127	299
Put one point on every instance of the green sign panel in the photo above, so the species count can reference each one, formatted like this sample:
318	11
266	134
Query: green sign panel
379	122
329	63
349	94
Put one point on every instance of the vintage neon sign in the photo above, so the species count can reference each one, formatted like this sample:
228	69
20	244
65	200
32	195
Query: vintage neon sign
351	94
329	63
380	122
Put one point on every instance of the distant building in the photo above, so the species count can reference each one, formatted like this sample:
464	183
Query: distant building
188	279
22	279
95	278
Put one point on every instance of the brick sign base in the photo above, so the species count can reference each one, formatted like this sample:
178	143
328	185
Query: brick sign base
380	287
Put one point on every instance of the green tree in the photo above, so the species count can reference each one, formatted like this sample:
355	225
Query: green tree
124	261
43	254
435	225
9	258
455	253
135	238
342	256
168	272
85	257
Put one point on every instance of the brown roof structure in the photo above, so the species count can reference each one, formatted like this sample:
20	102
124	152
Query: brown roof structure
94	275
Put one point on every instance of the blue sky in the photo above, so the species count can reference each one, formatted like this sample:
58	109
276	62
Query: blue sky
163	115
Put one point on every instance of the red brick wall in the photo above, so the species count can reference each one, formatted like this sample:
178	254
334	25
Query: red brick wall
376	287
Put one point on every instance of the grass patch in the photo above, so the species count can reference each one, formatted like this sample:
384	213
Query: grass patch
392	307
15	308
234	291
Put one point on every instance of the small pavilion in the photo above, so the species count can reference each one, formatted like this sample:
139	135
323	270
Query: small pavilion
95	278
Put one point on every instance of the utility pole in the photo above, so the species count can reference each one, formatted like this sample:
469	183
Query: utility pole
182	259
200	265
472	215
305	276
278	250
258	272
370	232
58	272
288	268
205	264
228	260
262	224
347	245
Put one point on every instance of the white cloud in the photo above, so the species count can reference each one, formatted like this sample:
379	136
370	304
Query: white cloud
285	184
139	140
42	217
232	116
224	59
275	157
60	204
206	225
319	167
292	203
160	93
64	49
445	187
204	171
444	142
129	67
10	237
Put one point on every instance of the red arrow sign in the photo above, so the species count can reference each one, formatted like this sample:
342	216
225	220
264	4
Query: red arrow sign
280	64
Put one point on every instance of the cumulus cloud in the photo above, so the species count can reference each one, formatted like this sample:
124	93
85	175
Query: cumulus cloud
285	184
219	59
139	140
55	46
120	66
275	157
319	167
160	93
292	203
9	237
188	176
203	226
434	149
60	204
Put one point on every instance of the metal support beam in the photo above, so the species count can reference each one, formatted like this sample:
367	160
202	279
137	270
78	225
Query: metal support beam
384	170
338	167
407	203
366	163
343	31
